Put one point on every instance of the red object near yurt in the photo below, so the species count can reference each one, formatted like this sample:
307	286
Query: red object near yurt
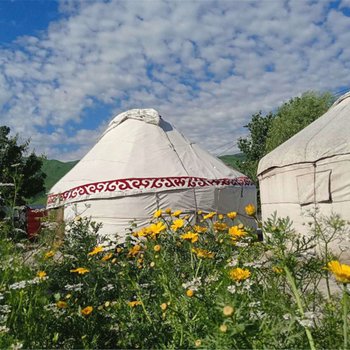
34	217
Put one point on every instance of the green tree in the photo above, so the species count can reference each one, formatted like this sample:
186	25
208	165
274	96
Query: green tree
21	176
253	146
295	115
266	132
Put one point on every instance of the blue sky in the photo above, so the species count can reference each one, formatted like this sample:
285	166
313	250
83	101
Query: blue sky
67	68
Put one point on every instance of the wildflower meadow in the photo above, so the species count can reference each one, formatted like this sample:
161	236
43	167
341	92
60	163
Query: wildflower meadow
181	282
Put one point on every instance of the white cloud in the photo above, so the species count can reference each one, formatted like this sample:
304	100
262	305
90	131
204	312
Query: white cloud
206	66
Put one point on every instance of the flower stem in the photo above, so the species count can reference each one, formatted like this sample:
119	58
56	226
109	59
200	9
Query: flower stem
345	316
295	291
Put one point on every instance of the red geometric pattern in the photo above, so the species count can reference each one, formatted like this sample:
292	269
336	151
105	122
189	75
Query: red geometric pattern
142	184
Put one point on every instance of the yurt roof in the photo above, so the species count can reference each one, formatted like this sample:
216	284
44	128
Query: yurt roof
327	136
139	153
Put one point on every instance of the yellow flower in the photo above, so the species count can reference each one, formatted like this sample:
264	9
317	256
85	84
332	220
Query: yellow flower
134	303
220	217
200	229
156	229
223	328
107	257
152	264
96	250
80	270
200	212
41	274
135	250
158	213
220	226
236	232
68	296
209	216
277	269
190	236
61	304
49	254
164	306
179	223
77	218
239	274
157	248
197	343
168	211
250	209
202	253
228	310
189	293
232	215
142	233
87	310
107	303
177	213
340	271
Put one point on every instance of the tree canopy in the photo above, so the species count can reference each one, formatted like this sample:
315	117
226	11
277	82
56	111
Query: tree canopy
266	132
295	115
253	146
21	176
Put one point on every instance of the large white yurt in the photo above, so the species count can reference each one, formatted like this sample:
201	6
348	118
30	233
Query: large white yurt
310	172
142	163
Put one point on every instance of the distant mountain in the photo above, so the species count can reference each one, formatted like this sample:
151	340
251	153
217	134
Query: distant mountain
233	160
55	170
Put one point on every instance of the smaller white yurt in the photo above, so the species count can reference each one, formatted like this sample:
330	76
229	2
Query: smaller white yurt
140	164
310	170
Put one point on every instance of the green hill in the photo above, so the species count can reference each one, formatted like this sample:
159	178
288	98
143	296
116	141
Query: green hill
233	160
55	170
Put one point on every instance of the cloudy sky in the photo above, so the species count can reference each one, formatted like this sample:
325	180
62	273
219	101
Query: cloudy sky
66	68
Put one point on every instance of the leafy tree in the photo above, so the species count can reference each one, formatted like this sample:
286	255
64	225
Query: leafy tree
21	176
253	146
269	131
295	115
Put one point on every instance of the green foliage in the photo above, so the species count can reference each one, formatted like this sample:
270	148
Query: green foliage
16	168
245	294
266	132
295	115
233	160
253	146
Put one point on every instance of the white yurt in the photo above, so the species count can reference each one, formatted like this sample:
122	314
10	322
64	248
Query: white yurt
310	170
140	164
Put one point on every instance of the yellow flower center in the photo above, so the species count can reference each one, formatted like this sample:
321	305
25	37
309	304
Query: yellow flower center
228	310
189	293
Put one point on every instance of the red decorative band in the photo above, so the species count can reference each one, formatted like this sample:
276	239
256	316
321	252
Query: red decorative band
141	184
